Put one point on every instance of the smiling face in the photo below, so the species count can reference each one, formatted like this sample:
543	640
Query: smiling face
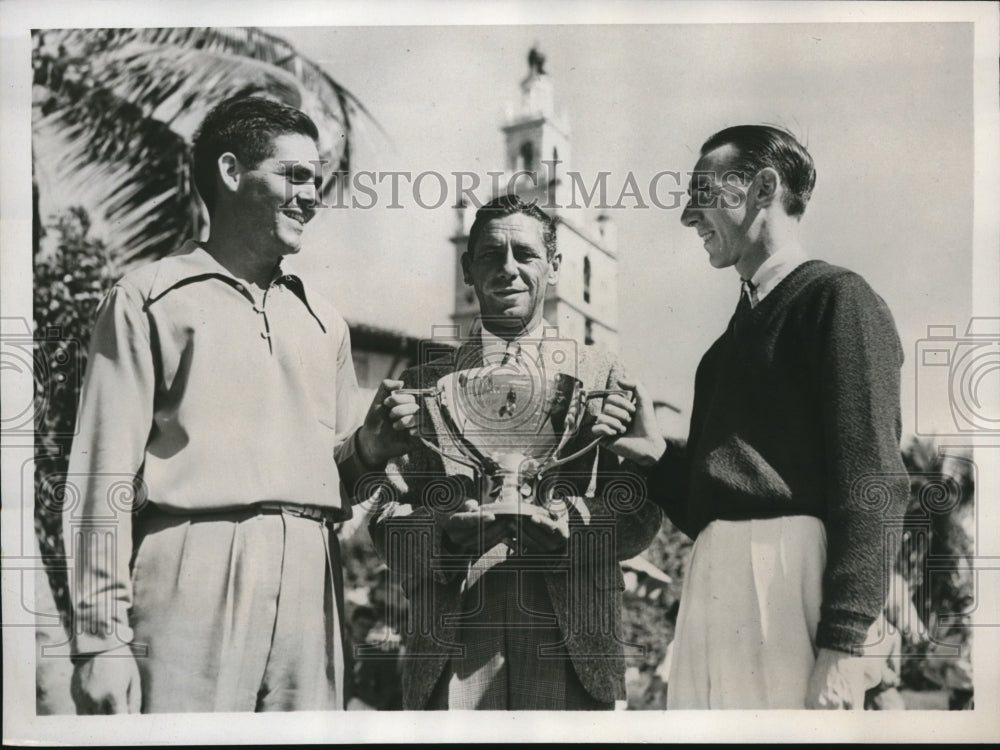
510	273
277	197
717	208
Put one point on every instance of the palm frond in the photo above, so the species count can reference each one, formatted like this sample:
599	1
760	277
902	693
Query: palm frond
127	101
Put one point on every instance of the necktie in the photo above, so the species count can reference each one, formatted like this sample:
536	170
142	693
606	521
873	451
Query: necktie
748	298
513	353
749	288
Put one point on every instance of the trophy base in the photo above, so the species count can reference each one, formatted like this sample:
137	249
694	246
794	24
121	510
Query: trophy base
515	508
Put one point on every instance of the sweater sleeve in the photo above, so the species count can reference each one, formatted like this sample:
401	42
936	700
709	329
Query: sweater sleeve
113	426
858	359
350	416
669	480
667	485
636	524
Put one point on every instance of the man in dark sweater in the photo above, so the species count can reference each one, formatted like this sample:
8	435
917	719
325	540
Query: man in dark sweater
792	463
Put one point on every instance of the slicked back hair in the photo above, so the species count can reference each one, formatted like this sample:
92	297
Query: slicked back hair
247	127
507	205
760	146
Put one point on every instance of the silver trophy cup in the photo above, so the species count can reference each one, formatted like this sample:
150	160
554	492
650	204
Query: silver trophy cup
510	426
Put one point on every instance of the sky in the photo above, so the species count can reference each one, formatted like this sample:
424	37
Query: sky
886	110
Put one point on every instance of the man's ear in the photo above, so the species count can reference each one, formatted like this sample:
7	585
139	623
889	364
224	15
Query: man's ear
554	263
229	171
466	274
766	187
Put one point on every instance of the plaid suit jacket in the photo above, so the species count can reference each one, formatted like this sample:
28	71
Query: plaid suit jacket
616	521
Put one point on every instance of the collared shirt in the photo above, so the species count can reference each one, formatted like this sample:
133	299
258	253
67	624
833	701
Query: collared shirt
215	398
773	270
495	347
541	349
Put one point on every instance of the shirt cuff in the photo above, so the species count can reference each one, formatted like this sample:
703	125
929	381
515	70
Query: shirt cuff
351	466
85	645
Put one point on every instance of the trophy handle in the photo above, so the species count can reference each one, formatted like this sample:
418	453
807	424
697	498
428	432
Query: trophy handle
422	392
464	459
586	396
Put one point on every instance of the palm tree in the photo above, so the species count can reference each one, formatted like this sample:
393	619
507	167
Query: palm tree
115	110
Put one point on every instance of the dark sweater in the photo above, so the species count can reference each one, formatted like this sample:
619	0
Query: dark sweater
799	415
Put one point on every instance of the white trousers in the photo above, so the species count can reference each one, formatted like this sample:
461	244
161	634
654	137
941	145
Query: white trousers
749	609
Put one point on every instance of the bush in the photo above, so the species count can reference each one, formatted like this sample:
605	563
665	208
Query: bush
936	561
650	623
70	280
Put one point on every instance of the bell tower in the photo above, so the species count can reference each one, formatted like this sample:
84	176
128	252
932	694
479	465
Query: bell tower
537	140
537	158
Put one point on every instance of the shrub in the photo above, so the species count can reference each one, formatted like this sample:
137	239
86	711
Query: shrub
70	279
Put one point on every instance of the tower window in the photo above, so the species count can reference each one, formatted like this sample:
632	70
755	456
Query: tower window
588	332
527	154
586	279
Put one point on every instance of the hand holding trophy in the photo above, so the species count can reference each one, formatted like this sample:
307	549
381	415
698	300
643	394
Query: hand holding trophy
511	425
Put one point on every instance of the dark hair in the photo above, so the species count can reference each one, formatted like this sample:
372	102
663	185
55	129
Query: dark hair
246	126
507	205
761	146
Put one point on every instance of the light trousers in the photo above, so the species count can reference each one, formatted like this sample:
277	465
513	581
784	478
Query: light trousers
237	611
750	605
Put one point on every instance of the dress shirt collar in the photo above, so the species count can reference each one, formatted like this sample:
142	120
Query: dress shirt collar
493	347
490	339
191	262
777	266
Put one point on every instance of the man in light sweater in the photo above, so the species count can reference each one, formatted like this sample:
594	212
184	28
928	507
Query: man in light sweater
219	426
792	463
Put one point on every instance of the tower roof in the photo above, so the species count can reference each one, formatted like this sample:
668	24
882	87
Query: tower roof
536	61
537	96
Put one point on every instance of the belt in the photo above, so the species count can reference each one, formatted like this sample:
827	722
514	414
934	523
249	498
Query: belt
324	515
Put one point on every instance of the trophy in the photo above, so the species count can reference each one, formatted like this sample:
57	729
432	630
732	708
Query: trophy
509	425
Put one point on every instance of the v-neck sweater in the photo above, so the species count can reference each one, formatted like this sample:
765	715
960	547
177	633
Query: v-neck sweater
799	414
